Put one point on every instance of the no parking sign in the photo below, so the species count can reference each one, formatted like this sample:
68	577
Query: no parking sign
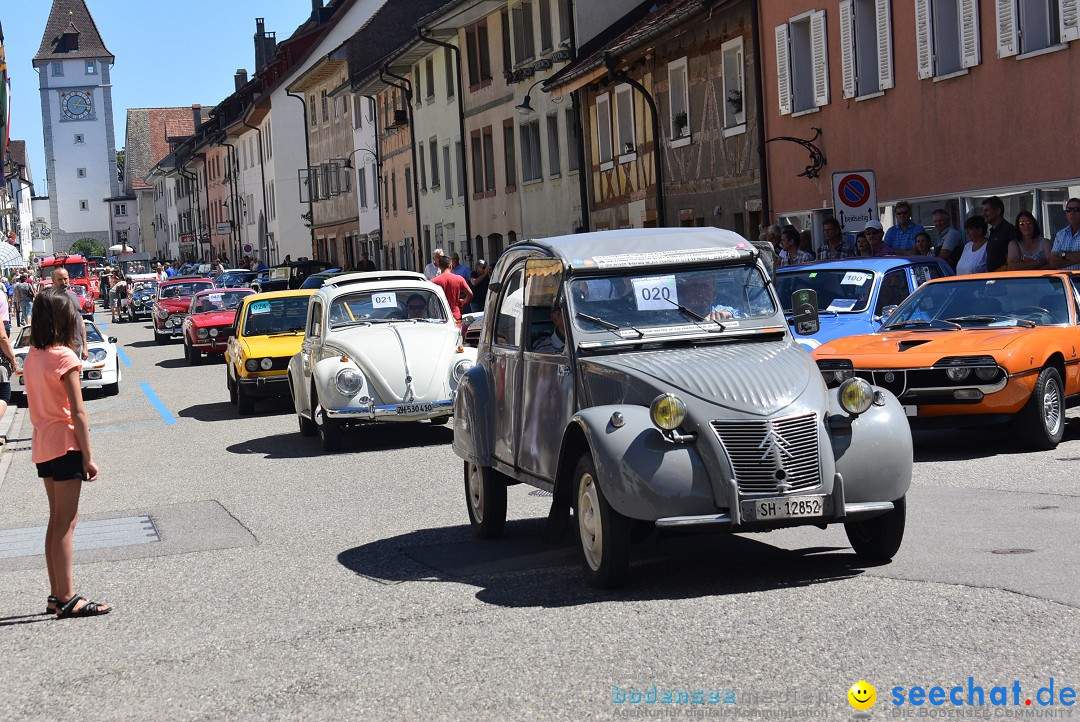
855	199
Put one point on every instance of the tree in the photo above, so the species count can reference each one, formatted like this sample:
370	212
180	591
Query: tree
120	164
87	247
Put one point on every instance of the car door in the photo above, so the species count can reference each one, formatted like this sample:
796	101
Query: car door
504	362
309	353
547	384
893	290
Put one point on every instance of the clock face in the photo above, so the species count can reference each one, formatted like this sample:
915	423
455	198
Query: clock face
76	105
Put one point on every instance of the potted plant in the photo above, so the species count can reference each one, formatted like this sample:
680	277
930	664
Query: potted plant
681	124
734	99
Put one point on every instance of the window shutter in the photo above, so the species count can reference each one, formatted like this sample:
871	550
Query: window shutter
924	39
847	48
1069	12
1006	28
969	33
783	69
819	53
884	39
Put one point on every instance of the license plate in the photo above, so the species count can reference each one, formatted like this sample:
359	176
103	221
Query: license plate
911	410
415	409
789	508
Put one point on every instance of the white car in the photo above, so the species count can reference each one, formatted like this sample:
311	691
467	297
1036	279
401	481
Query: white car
378	346
101	369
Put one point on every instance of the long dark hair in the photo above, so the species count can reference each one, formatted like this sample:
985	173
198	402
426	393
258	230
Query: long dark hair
54	320
1034	223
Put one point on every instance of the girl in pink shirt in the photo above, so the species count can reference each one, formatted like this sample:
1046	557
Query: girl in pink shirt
61	444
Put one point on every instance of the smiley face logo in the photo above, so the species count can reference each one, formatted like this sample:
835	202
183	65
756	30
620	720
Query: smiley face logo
862	695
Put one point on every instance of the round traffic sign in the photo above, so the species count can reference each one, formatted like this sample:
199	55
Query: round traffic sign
854	190
247	248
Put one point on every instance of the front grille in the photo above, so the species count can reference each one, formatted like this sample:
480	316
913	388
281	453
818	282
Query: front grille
775	456
895	382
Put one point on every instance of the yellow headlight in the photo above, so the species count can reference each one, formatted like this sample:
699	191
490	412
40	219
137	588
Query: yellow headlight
667	411
856	396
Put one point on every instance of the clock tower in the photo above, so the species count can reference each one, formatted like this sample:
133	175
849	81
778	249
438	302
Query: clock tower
74	68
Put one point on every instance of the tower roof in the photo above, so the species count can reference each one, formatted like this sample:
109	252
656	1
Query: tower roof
71	33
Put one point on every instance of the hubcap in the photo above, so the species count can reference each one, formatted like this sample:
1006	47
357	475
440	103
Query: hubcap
589	524
1051	406
476	492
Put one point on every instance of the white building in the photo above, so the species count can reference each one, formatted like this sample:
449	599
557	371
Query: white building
74	66
19	199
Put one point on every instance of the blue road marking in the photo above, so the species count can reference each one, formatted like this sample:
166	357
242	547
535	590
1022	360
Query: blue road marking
166	415
102	326
123	356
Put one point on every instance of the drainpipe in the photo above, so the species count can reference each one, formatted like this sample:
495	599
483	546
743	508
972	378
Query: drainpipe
658	163
378	168
234	167
307	162
206	190
575	98
763	171
264	248
195	192
461	120
406	87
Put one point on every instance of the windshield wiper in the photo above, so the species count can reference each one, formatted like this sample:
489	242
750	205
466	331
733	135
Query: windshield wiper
694	314
921	323
286	333
607	324
988	318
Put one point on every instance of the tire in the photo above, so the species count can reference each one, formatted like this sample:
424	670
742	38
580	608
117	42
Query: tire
114	388
1041	423
485	498
194	357
244	403
440	421
159	339
603	533
229	384
878	539
330	433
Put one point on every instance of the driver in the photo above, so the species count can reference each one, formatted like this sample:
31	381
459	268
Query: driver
417	306
556	342
698	293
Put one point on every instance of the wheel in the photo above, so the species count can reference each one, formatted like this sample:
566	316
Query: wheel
114	388
440	421
231	385
604	533
485	496
159	339
878	539
194	357
1041	423
244	403
330	433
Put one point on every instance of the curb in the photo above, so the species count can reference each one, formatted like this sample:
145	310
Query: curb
8	421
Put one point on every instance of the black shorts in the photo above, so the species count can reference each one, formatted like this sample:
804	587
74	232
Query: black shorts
5	392
63	468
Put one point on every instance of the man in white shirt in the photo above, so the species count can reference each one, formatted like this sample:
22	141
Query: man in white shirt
432	269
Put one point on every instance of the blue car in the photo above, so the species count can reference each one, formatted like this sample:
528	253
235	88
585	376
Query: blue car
855	294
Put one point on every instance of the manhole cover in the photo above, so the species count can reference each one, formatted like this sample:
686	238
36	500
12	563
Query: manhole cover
30	541
539	492
1012	551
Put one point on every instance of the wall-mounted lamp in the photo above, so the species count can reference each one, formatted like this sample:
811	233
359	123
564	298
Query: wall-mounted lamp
525	107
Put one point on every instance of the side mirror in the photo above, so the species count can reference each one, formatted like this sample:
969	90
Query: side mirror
112	339
886	311
804	306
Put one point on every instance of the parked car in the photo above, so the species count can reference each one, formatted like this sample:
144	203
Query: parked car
261	279
647	378
142	292
235	278
289	275
172	304
100	370
471	323
316	280
380	346
856	294
210	321
269	331
971	350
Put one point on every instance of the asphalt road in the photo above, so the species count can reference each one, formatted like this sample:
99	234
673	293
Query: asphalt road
289	584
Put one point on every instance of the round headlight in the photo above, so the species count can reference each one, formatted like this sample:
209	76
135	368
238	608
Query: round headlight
667	411
19	358
958	374
202	333
461	368
348	382
252	365
96	355
162	313
213	333
986	373
266	364
856	396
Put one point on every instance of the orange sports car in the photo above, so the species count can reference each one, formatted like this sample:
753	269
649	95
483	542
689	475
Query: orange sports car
976	349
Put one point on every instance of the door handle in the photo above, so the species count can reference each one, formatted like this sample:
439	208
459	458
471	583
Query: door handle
489	357
564	370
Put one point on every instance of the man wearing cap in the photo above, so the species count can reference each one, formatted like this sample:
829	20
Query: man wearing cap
479	280
875	236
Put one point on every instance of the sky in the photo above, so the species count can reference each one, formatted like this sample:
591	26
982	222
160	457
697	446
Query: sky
167	54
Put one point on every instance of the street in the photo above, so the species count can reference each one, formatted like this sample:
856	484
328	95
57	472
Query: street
287	583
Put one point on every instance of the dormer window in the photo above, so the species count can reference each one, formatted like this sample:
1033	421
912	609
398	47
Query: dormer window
91	67
69	41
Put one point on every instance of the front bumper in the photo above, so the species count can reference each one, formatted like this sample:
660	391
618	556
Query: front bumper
266	385
394	412
215	346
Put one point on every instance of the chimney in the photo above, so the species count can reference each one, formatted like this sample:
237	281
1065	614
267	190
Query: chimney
196	115
265	44
316	10
240	79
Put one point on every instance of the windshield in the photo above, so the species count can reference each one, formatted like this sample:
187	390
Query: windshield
275	315
130	267
220	300
985	302
236	278
184	290
843	290
378	306
678	301
93	334
144	287
79	290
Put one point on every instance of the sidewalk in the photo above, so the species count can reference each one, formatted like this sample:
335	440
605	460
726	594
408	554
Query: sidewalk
9	427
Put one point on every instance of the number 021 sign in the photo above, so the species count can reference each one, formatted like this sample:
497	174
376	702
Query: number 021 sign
656	293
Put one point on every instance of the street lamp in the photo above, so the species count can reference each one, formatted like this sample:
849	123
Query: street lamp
348	159
525	108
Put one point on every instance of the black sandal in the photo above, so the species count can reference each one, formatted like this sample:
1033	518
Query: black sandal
51	600
90	609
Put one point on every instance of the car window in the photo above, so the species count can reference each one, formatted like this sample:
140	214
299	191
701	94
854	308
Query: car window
275	315
182	290
93	335
842	290
384	305
509	319
224	300
315	320
894	289
986	302
923	272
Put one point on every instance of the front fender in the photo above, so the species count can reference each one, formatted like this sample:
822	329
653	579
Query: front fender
323	376
473	425
873	451
643	475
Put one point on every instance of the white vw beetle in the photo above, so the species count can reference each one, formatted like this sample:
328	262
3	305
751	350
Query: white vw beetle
378	346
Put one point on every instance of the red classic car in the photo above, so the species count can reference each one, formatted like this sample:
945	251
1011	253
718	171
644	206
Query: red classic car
86	300
211	316
172	304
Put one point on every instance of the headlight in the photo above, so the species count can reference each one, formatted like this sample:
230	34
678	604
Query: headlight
856	396
96	355
461	368
348	382
162	313
213	333
836	371
266	364
986	373
19	358
138	304
252	365
202	333
958	375
667	411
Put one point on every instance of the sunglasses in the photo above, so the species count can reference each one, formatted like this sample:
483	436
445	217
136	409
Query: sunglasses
1072	210
416	307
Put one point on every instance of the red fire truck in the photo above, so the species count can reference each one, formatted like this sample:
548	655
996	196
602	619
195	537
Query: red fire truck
76	266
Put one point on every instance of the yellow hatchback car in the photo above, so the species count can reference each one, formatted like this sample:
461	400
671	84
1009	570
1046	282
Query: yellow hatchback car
269	331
